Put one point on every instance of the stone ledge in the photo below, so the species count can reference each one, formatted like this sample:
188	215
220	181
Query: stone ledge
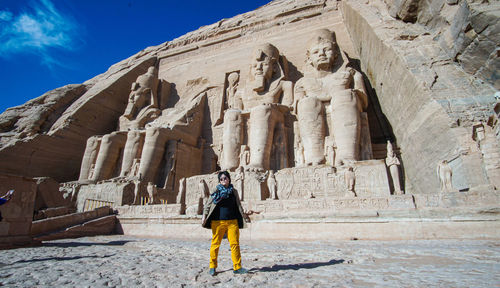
401	230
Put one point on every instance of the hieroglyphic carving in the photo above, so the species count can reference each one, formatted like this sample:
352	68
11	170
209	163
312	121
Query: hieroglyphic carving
318	205
136	211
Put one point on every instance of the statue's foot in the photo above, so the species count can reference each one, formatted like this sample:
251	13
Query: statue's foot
350	195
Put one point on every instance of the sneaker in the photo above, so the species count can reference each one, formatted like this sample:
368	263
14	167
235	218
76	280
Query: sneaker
211	271
240	271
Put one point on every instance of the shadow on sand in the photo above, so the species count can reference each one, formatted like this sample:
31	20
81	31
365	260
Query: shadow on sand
313	265
62	258
84	244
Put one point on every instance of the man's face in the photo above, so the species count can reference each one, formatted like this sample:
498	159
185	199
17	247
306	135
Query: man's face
263	67
322	55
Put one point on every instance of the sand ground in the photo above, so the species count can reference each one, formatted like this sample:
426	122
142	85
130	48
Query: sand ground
124	261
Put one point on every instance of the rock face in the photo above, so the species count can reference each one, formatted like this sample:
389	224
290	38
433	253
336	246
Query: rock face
300	99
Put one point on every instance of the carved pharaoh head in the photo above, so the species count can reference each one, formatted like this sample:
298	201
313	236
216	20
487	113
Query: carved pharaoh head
322	52
264	64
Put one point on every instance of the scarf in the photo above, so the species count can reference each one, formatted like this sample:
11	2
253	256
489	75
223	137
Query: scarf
222	193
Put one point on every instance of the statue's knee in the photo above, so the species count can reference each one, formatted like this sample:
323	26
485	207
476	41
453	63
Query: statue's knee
261	111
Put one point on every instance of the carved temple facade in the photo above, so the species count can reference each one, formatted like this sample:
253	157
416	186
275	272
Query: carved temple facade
313	107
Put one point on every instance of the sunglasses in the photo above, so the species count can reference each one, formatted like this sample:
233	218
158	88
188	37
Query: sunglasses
223	178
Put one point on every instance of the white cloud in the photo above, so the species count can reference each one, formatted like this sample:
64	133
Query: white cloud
39	31
5	15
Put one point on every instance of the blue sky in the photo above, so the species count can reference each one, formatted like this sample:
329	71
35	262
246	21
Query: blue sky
45	44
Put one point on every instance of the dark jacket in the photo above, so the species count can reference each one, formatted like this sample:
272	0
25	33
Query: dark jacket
209	207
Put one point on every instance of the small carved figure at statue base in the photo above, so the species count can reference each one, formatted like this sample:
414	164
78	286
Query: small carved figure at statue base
445	173
350	181
152	191
392	162
272	186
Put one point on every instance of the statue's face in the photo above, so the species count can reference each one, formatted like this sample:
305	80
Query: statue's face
322	55
263	67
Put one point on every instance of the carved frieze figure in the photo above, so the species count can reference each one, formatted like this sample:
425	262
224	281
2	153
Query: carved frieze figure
445	173
329	85
272	185
392	162
350	181
266	98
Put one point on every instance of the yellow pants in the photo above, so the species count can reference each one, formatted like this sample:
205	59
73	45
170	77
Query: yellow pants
219	228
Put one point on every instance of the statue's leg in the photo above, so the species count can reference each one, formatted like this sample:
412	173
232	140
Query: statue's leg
152	153
312	129
346	125
89	157
263	120
109	153
132	148
231	139
129	111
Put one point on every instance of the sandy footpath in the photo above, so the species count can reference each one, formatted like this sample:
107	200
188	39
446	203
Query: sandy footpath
123	261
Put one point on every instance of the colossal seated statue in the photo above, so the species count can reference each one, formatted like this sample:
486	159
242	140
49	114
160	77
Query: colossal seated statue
330	87
267	96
